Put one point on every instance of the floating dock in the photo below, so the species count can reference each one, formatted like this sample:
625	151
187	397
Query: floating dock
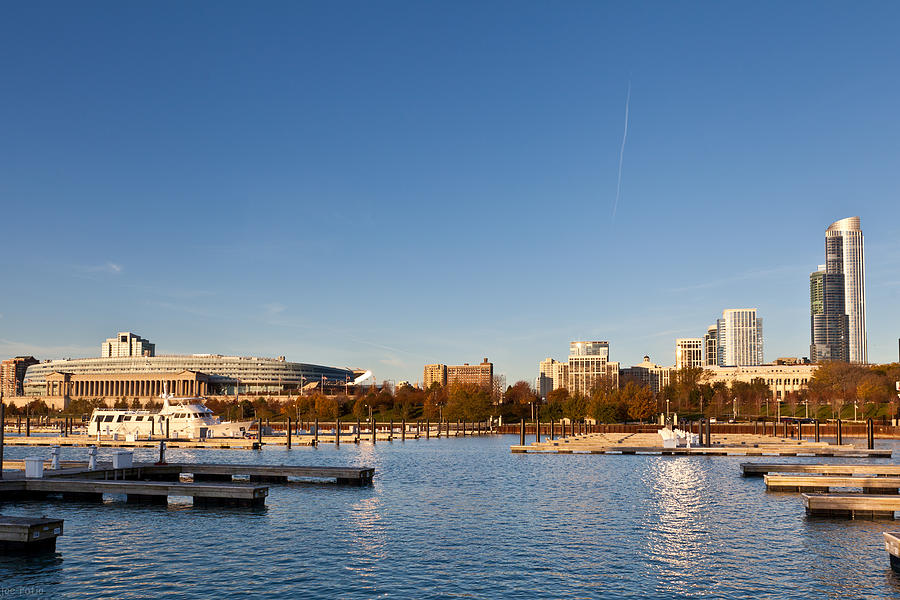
722	445
358	476
824	483
29	534
151	483
852	506
760	469
147	492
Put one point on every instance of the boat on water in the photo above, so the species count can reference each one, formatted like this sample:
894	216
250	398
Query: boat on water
186	418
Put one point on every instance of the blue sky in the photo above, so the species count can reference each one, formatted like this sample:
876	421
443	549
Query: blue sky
390	184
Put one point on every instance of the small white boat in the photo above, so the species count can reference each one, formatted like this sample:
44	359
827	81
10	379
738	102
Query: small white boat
186	418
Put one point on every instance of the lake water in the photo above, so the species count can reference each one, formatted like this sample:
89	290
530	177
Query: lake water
462	518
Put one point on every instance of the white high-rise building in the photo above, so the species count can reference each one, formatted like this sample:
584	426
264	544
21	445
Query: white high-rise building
845	254
688	352
589	365
126	344
740	338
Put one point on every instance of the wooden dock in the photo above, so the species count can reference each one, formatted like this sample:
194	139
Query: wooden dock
29	534
760	469
824	483
852	506
279	473
722	445
148	492
357	476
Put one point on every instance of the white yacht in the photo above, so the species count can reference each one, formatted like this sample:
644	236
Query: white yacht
188	418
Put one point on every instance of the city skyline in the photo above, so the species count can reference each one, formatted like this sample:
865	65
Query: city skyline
353	190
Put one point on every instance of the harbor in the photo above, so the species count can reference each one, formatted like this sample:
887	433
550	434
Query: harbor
698	518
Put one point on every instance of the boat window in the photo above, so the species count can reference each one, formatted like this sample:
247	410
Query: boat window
119	419
108	418
139	418
99	418
128	418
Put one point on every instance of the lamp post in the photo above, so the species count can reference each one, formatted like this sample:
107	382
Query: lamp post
855	405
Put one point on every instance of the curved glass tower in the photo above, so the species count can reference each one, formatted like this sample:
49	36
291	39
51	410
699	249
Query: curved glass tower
845	254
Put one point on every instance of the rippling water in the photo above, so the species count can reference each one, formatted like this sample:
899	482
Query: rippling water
467	518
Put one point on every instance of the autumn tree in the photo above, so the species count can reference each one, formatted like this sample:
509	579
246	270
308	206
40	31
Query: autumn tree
639	401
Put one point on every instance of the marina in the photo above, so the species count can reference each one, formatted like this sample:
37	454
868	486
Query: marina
700	524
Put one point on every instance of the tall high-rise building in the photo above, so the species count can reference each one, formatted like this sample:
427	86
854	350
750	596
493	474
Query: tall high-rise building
561	375
436	373
740	338
589	365
12	375
688	352
845	255
828	321
710	346
126	344
481	374
544	382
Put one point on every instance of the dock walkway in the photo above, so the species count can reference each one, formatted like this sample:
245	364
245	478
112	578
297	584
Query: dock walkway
849	469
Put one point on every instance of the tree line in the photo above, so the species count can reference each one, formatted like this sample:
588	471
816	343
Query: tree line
834	391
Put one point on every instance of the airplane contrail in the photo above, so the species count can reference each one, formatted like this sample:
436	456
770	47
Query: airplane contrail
622	152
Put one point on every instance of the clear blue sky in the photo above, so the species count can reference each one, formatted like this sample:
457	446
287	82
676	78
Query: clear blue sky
389	184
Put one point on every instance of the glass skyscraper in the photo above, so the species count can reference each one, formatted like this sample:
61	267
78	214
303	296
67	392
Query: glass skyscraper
845	255
828	321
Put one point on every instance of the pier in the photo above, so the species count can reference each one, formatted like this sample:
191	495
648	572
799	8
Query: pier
355	476
824	483
760	469
870	506
719	445
277	434
143	492
29	534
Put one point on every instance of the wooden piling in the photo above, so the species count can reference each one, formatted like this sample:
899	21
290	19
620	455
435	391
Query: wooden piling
289	433
316	437
28	425
522	432
870	434
403	430
427	429
373	429
840	437
337	432
358	431
817	430
391	431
